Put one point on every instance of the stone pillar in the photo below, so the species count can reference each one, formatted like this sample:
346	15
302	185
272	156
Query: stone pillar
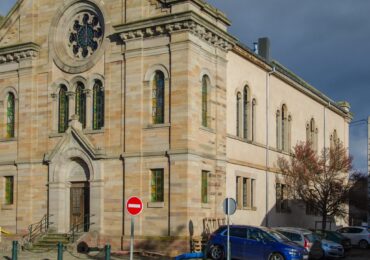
71	103
57	207
55	110
96	205
89	109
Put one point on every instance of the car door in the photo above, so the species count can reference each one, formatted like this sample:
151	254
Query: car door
255	244
356	234
238	236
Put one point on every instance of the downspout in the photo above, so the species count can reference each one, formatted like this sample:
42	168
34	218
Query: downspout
267	141
169	135
123	138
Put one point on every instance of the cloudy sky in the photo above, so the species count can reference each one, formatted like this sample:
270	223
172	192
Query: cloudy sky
323	41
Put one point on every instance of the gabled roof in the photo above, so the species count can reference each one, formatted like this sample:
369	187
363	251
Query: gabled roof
74	138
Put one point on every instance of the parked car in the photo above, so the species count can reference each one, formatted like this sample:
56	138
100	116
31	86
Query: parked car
359	236
249	242
317	247
335	237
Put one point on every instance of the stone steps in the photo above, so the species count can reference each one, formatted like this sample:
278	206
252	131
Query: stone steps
50	241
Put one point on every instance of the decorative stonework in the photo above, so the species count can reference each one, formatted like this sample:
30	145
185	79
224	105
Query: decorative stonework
77	35
195	26
16	53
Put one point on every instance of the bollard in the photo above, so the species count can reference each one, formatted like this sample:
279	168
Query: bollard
15	250
60	251
107	252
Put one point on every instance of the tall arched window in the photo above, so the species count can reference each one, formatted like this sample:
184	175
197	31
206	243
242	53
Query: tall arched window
284	128
98	105
63	109
10	116
80	107
238	113
158	98
278	135
312	134
246	112
334	140
205	98
253	128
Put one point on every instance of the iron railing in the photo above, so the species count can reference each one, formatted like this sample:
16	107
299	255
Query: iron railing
37	229
80	227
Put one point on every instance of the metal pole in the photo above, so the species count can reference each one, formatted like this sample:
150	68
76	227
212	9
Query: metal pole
132	239
15	250
228	229
60	251
107	252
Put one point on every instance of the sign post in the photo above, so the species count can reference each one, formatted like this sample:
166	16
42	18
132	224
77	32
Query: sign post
134	206
229	207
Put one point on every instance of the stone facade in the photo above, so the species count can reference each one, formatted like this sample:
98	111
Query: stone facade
185	40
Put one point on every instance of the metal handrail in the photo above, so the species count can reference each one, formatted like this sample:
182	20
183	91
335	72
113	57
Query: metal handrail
84	225
37	229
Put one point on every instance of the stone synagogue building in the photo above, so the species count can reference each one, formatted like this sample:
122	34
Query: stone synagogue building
104	100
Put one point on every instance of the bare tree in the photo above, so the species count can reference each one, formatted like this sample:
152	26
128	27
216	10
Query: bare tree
319	180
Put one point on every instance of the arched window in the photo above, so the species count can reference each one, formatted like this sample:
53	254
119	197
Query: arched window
205	98
284	127
98	105
10	116
246	112
253	128
278	135
63	109
158	98
312	134
238	112
80	107
334	140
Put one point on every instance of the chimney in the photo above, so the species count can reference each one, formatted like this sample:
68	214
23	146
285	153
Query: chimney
264	48
255	47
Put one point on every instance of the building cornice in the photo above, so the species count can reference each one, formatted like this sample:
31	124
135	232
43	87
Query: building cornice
17	52
167	24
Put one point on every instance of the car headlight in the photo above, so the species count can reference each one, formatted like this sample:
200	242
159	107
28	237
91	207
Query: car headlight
292	251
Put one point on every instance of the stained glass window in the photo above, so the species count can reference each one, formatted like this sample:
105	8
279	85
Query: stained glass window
9	190
205	83
85	36
98	105
10	115
80	107
63	109
158	98
205	186
157	180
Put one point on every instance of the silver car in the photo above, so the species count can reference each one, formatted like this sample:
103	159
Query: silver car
316	247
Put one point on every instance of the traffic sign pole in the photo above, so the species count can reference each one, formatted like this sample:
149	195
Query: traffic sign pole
134	206
228	230
229	208
132	238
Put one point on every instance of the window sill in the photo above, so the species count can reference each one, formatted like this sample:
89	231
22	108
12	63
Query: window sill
13	139
91	131
248	208
207	129
206	206
150	126
155	204
55	134
7	207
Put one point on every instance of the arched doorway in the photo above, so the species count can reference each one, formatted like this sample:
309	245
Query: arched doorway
79	210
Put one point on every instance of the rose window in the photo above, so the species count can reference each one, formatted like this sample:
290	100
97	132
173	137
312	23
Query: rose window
85	35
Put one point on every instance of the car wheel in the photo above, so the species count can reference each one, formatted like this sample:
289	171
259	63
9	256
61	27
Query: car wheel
276	256
363	244
217	253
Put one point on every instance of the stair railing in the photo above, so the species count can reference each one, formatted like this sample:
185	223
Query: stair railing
37	229
79	227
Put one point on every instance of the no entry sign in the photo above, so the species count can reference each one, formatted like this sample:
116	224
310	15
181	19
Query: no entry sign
134	206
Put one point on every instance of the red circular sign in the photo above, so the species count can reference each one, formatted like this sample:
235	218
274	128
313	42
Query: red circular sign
134	206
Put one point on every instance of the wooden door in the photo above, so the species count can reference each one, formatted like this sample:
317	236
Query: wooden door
79	209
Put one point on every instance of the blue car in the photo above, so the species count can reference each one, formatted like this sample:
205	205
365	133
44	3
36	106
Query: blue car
249	242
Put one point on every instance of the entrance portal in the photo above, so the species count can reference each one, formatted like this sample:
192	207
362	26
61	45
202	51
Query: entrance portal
80	206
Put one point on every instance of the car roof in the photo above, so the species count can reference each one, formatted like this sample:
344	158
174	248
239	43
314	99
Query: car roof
294	229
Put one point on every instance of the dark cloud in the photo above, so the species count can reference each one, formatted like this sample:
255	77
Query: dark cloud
324	42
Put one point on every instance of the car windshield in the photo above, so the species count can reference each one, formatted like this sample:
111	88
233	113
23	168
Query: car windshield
336	235
278	236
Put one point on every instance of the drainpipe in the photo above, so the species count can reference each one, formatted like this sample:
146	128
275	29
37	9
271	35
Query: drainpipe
267	140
